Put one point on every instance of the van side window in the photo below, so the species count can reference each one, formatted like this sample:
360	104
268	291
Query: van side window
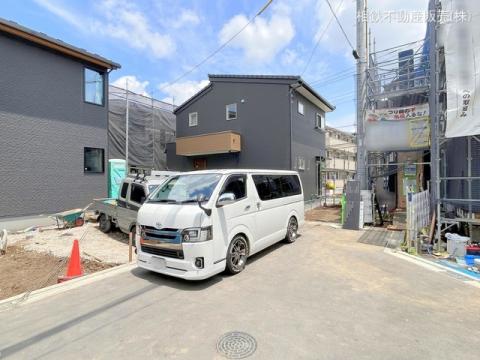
276	186
263	187
137	194
236	184
275	182
291	185
123	193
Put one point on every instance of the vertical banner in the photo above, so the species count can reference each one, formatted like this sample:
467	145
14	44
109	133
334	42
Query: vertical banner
462	64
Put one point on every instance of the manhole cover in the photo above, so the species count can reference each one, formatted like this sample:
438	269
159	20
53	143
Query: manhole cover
236	345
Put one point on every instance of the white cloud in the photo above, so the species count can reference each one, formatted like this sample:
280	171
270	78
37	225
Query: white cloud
134	84
289	57
187	18
61	12
263	38
119	20
181	91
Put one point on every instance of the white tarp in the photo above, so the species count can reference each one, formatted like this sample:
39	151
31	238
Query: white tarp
398	129
461	39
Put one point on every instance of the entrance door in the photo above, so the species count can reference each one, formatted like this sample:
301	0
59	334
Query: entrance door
199	164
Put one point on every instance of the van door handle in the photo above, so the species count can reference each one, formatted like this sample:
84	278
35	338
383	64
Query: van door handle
247	207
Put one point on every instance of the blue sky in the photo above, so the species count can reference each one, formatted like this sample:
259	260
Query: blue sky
155	41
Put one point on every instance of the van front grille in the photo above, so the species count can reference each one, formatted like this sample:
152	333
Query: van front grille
177	254
164	235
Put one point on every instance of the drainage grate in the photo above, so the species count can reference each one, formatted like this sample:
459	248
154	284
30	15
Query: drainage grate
236	345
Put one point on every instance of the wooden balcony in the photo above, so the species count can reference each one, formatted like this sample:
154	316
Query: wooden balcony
207	144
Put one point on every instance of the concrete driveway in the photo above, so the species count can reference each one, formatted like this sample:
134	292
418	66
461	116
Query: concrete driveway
324	297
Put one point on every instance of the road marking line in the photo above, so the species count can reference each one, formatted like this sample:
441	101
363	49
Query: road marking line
419	262
434	267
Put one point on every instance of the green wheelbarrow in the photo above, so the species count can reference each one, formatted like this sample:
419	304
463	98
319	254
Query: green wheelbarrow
69	218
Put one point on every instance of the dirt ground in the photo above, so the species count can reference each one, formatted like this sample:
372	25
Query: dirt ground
22	270
324	213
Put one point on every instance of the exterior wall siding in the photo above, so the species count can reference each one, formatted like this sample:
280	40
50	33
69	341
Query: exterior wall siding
45	125
307	143
273	134
263	112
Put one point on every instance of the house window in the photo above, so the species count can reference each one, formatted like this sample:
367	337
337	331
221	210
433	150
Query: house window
301	163
319	121
93	86
300	107
193	119
231	111
93	160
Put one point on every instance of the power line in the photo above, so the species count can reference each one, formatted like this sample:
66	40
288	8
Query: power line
339	24
318	41
264	7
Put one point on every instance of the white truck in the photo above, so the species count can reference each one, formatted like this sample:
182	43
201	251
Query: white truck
122	212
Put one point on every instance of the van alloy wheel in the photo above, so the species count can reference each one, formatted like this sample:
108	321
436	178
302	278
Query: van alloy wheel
237	255
292	230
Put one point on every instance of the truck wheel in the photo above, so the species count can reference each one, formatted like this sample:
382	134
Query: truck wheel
237	254
105	224
292	230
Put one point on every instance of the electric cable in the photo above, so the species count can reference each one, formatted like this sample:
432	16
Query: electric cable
221	47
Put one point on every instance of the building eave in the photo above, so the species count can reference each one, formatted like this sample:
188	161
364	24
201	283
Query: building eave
193	98
307	91
40	39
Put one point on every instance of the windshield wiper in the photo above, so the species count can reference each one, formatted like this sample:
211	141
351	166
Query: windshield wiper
188	201
168	201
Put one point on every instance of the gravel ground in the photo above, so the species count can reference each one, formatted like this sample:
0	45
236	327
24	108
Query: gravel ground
95	245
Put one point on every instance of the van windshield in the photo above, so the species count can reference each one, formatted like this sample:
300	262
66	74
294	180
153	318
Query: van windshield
186	188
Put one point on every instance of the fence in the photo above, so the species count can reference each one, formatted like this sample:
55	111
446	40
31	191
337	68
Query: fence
418	216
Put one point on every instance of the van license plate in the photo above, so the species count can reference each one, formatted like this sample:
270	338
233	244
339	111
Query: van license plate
158	263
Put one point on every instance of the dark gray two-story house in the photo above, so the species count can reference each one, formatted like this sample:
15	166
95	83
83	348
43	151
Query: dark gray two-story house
53	123
253	121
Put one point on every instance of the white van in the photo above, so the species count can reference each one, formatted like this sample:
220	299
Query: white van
200	223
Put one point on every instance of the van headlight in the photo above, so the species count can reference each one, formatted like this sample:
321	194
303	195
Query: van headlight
197	234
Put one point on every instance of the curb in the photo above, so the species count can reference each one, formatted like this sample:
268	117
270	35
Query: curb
43	293
433	266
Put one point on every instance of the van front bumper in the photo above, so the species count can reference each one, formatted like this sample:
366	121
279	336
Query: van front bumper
184	268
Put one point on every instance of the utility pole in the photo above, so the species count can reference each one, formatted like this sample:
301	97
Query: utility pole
362	62
126	126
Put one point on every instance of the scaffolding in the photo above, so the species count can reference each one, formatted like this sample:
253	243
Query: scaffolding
398	76
415	73
455	161
139	129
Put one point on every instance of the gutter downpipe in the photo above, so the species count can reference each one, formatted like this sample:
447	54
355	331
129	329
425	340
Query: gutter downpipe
290	93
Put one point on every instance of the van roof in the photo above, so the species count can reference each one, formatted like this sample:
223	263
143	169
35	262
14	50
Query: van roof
236	171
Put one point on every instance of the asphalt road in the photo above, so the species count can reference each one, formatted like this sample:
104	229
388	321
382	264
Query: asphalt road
324	297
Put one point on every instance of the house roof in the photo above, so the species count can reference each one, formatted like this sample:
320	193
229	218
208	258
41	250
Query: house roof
295	81
38	38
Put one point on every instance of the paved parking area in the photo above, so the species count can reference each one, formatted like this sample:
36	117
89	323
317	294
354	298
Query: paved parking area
324	297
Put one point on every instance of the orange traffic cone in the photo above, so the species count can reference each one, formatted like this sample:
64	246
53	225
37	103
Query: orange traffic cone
74	265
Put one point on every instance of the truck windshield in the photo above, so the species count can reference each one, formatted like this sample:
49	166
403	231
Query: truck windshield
186	188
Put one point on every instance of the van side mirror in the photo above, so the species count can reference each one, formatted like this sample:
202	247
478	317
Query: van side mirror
142	199
225	199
